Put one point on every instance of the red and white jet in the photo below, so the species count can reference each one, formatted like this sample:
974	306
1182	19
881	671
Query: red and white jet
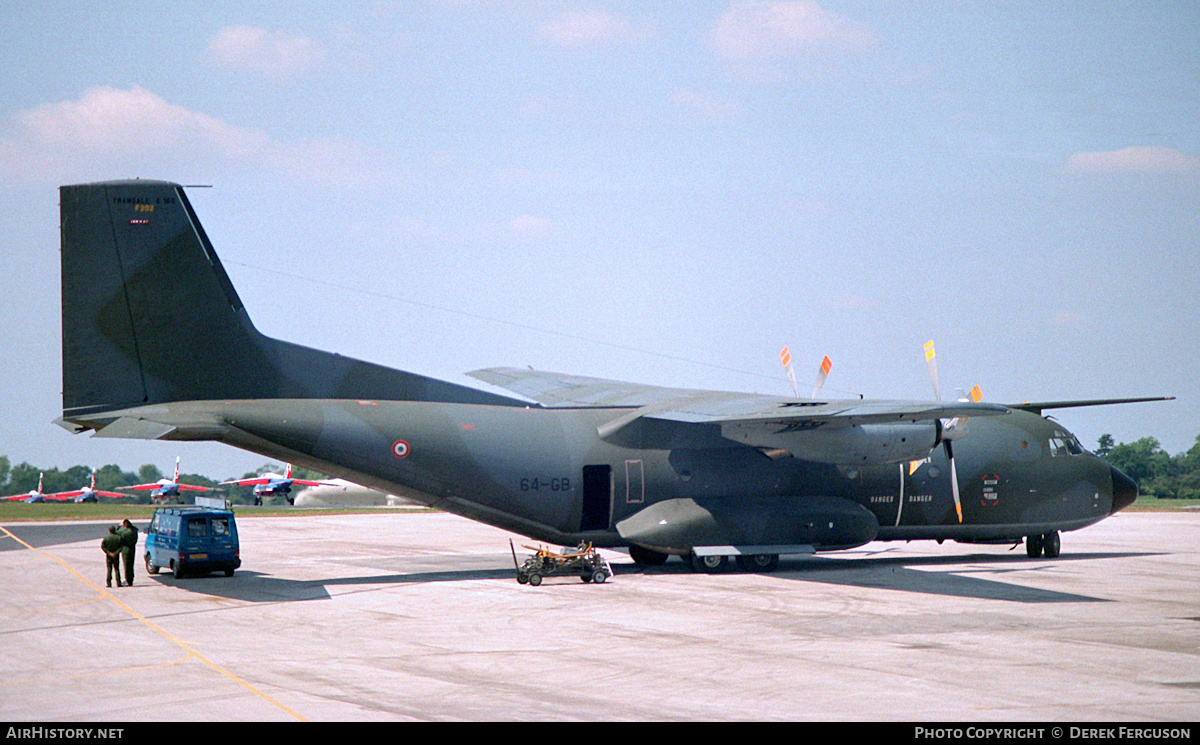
270	484
166	488
34	495
86	493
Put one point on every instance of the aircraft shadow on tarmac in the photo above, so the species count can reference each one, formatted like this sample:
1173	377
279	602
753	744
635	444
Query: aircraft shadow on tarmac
920	575
930	575
256	587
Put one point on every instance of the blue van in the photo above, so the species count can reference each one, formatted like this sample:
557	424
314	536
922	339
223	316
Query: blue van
192	540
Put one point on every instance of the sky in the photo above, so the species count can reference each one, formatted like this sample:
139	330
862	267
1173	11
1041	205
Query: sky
665	193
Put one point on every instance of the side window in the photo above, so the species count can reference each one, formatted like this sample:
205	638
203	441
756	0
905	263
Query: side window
197	527
220	526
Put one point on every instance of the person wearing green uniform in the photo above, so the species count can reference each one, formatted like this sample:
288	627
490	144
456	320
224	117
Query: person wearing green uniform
111	545
129	538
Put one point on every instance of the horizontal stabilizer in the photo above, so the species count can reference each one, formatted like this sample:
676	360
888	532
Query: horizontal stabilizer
135	429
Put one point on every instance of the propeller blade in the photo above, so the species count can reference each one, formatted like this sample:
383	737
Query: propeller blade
785	357
954	481
822	373
931	361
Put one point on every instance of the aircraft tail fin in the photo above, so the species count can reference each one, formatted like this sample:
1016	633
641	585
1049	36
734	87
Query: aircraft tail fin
150	316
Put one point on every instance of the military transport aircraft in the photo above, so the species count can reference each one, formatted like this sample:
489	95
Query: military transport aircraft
270	484
705	475
165	488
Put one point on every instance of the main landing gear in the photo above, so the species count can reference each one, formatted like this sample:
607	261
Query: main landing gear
1046	543
708	564
747	563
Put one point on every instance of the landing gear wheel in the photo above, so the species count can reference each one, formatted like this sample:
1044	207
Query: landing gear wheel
758	562
1033	546
646	557
707	564
1051	545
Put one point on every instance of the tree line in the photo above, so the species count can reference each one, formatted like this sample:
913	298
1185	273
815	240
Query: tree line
1157	473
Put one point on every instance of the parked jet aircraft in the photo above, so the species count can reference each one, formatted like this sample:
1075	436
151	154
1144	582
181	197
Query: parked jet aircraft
84	493
702	474
34	496
270	484
165	488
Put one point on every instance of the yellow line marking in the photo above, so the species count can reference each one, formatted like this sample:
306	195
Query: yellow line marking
97	674
163	632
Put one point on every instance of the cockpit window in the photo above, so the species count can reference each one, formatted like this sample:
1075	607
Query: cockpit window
1065	445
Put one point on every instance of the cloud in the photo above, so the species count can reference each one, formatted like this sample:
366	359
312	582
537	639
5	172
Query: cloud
757	29
110	120
1132	160
531	228
109	133
1072	320
592	28
704	107
271	54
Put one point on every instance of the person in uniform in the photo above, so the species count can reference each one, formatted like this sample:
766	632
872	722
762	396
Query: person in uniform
129	539
111	545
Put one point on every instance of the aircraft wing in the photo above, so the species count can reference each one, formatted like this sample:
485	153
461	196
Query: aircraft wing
256	481
93	492
669	417
62	496
575	391
1038	406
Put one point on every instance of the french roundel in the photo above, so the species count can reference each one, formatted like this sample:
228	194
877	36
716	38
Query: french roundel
400	449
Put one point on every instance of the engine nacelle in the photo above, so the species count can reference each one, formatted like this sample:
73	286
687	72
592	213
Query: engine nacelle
857	445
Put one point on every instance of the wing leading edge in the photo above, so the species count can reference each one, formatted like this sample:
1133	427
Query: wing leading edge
830	431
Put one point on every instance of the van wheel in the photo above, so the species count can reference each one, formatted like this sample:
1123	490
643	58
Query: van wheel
151	567
228	572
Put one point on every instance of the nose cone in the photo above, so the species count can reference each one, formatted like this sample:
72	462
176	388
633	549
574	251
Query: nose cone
1124	490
